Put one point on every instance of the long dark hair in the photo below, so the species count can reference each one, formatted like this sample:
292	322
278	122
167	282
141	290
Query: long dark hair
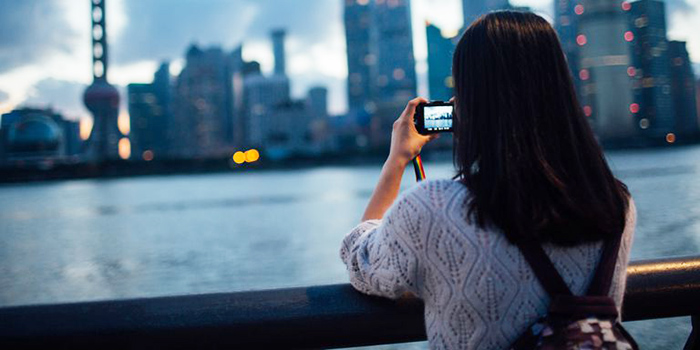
523	147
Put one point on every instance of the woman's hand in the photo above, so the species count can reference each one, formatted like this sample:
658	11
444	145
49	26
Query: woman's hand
406	142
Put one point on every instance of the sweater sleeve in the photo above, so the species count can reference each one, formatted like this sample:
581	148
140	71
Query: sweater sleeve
381	255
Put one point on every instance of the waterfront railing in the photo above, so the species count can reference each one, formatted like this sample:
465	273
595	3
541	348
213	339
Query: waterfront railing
309	317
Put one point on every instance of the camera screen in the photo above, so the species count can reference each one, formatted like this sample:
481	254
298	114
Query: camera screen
438	118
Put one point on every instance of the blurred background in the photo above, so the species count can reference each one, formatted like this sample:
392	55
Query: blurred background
213	146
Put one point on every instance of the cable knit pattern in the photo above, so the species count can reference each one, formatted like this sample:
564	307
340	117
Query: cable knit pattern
479	291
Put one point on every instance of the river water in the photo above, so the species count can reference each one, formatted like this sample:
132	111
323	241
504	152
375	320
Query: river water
169	235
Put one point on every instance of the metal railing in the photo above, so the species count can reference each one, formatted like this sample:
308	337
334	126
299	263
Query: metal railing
311	317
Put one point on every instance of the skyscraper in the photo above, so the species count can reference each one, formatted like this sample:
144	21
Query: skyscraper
440	50
358	20
262	95
651	68
606	90
201	105
150	116
566	22
278	36
394	73
683	90
472	9
101	98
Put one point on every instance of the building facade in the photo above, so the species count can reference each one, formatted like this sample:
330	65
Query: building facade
472	9
567	14
440	50
683	90
358	21
149	112
651	68
606	86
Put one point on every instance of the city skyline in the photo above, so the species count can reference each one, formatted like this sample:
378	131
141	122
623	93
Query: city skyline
51	84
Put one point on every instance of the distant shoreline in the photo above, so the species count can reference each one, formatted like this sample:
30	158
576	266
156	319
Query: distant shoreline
122	169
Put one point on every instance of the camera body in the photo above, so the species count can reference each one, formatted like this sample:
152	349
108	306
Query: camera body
434	117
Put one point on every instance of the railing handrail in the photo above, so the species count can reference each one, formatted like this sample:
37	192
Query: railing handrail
309	317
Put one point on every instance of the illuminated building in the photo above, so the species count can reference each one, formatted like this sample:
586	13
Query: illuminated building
440	50
357	18
683	90
202	105
566	22
392	42
262	95
606	94
150	116
651	68
472	9
101	98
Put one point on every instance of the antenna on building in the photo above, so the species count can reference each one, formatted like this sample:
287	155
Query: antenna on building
101	98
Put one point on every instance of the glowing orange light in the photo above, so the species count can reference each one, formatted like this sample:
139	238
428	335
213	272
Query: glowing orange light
147	155
581	40
629	36
252	155
626	6
584	74
587	110
631	71
578	9
670	137
124	123
239	157
124	148
634	108
85	128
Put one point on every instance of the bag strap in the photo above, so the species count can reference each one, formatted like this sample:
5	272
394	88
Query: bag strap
552	281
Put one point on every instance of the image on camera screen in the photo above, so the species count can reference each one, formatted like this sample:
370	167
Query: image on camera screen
438	118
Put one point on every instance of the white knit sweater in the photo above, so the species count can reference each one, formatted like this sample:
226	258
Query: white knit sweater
479	291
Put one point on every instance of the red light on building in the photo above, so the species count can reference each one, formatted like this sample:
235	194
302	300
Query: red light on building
587	111
626	6
581	40
670	137
631	71
629	36
578	9
634	108
584	74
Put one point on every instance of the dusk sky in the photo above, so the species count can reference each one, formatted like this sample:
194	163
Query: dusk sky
45	45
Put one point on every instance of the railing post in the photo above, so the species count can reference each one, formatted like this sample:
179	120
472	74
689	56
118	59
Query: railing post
693	342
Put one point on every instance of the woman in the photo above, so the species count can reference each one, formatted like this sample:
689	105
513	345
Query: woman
528	167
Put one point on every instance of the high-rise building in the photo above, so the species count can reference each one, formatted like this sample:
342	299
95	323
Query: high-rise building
278	37
150	116
101	98
262	95
651	68
358	21
683	90
566	22
317	102
440	50
202	104
472	9
394	72
606	89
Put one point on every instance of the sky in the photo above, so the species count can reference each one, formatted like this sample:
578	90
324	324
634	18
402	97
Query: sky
45	48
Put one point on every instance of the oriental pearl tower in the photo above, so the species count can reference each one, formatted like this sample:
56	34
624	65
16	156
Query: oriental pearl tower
101	98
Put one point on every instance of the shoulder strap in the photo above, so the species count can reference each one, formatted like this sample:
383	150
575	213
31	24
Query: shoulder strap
602	280
552	281
543	268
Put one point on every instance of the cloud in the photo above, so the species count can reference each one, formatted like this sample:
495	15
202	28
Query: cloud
32	31
163	29
4	96
63	96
